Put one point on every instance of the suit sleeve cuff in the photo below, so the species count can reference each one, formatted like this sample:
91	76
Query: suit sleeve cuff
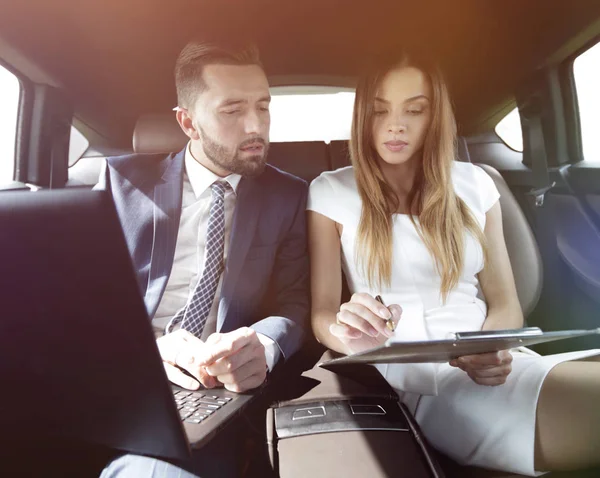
272	351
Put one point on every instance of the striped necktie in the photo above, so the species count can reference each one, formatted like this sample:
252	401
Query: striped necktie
193	316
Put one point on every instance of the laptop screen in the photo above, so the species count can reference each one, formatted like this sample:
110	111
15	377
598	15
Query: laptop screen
78	358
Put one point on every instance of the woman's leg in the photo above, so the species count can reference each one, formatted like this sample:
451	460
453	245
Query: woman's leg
567	434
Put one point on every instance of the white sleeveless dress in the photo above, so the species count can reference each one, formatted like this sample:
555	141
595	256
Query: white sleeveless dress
492	427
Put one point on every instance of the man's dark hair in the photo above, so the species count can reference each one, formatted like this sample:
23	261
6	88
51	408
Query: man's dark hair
195	56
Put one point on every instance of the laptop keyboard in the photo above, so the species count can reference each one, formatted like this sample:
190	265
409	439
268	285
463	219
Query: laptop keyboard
194	407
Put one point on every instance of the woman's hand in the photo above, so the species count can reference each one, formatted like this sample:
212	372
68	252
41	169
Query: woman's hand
361	323
486	369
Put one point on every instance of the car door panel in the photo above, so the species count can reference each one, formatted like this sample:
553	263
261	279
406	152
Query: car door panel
576	200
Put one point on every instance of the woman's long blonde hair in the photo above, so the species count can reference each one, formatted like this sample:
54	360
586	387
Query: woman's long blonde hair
443	216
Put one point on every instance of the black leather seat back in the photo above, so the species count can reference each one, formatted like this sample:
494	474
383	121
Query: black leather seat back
303	159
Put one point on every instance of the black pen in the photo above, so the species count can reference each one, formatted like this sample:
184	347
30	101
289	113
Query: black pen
389	323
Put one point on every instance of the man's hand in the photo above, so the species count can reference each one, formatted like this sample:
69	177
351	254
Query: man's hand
184	350
236	359
486	369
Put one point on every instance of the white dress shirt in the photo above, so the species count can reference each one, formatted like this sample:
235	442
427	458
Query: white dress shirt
190	249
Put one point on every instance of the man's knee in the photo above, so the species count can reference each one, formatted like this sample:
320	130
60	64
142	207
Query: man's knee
136	466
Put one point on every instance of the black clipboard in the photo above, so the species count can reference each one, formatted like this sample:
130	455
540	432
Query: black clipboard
462	343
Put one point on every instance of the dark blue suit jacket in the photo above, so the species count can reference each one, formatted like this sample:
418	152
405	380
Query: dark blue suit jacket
266	280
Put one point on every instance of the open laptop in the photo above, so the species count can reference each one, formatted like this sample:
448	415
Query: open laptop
78	357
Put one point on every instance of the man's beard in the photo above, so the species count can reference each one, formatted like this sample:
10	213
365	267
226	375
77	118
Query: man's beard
232	161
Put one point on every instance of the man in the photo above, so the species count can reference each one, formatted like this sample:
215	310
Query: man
217	236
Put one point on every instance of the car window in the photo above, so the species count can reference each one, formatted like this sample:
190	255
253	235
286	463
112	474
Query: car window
10	91
586	70
78	144
509	130
311	113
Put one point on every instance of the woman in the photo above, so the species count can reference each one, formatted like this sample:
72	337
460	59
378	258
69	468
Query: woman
409	223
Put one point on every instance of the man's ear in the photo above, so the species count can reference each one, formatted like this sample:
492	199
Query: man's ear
185	121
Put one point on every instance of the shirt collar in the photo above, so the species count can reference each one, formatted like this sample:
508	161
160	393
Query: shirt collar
202	178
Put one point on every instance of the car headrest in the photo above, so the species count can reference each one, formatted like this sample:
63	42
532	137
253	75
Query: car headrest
158	133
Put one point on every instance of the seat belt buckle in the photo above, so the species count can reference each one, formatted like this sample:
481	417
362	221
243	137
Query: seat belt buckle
539	194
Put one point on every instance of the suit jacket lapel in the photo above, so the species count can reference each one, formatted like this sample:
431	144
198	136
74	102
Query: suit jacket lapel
167	213
245	218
